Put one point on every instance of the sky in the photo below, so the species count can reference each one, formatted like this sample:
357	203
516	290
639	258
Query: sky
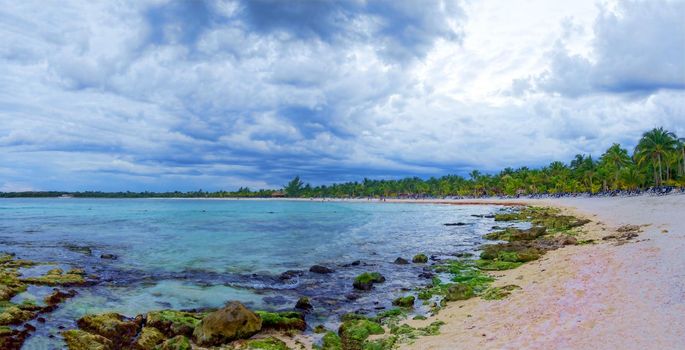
183	95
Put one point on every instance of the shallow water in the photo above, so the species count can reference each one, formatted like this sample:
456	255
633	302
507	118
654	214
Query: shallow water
187	254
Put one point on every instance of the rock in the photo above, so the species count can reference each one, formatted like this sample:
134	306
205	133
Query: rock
12	339
234	321
282	320
352	296
172	322
511	252
320	329
401	261
290	274
420	259
366	280
57	277
407	301
268	343
112	326
303	304
353	333
108	256
354	263
149	338
459	291
178	342
320	269
59	296
456	224
77	339
426	275
11	314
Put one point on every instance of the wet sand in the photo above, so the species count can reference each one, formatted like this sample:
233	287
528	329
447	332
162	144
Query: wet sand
600	296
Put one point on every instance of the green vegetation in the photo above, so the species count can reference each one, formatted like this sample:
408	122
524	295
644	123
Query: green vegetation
657	160
407	301
282	320
420	259
269	343
498	293
366	280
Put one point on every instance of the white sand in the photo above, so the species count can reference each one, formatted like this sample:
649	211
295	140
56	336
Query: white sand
602	296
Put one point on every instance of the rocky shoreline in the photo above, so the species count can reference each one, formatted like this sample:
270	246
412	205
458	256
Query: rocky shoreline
236	327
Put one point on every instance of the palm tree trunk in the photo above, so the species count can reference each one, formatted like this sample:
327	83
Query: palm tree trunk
660	177
683	149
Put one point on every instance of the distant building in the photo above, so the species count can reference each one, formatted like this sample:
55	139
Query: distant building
277	194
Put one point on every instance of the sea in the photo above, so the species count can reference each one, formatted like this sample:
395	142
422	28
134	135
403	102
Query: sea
202	253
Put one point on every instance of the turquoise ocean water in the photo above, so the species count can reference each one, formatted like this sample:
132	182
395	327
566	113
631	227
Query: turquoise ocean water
187	254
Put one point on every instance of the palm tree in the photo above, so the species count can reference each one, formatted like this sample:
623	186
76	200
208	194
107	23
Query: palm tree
653	146
681	145
616	158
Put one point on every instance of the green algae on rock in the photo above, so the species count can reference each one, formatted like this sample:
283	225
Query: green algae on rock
420	259
234	321
407	301
149	338
179	342
366	280
57	277
172	322
331	341
353	333
119	329
268	343
77	339
498	293
285	320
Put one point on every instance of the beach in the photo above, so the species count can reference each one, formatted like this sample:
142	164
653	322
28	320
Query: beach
609	295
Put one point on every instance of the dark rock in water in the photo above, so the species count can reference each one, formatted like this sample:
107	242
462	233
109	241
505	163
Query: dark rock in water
303	304
434	258
41	320
232	322
112	326
486	216
366	280
58	296
79	249
455	224
290	274
354	263
352	296
463	255
29	327
426	275
320	269
108	256
401	261
420	259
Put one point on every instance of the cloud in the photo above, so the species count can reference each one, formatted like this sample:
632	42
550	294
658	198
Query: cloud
639	47
167	95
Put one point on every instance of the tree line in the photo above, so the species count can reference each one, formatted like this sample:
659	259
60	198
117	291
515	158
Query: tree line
657	160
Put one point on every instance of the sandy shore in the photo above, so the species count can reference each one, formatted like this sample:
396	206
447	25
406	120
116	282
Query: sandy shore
601	296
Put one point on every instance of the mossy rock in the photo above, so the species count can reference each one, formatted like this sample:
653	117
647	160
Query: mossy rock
178	342
113	326
282	320
407	301
509	217
77	339
172	322
10	285
12	339
515	234
459	291
498	293
269	343
320	329
57	277
366	280
12	314
495	265
234	321
331	341
512	252
149	338
303	303
353	333
420	259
